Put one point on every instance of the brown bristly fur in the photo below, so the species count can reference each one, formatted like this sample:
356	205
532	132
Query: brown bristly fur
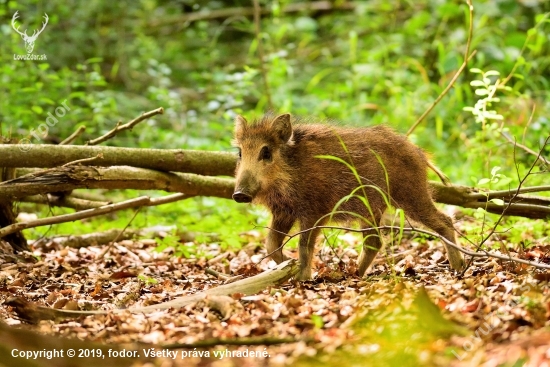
296	185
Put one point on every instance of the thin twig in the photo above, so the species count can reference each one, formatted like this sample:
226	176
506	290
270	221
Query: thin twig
73	136
523	147
528	122
168	199
92	196
257	19
98	238
374	230
217	274
467	57
84	160
118	128
508	193
65	201
132	203
143	200
522	181
108	248
523	48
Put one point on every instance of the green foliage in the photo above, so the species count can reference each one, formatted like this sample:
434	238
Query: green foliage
486	89
173	241
496	181
210	220
215	218
147	280
396	328
317	321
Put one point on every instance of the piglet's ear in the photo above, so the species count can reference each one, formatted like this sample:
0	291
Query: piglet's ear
282	127
240	124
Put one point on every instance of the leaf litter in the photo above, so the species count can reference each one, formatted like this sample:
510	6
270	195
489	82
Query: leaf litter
410	308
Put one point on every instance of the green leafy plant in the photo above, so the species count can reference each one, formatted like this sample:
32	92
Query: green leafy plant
147	280
487	89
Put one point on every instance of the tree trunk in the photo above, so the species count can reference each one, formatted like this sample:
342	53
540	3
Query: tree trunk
7	217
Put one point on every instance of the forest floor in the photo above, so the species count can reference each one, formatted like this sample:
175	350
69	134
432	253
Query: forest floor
409	310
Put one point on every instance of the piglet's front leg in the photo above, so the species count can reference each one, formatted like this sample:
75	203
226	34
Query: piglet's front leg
279	227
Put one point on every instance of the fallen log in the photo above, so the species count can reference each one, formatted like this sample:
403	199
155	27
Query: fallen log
528	206
117	177
124	177
177	160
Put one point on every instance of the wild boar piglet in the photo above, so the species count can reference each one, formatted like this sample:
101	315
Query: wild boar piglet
279	167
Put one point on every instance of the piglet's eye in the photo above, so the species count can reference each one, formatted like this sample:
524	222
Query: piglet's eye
239	154
265	154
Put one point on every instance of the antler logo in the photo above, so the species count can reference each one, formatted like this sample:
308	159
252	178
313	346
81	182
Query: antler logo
29	40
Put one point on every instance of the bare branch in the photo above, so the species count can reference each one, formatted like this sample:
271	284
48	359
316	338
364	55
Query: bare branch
523	147
523	48
152	202
534	207
101	255
73	136
102	238
510	193
91	239
93	212
257	19
89	195
216	274
507	207
143	200
467	57
128	126
64	201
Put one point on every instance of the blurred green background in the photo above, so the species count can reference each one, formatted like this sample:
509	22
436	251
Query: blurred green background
373	62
